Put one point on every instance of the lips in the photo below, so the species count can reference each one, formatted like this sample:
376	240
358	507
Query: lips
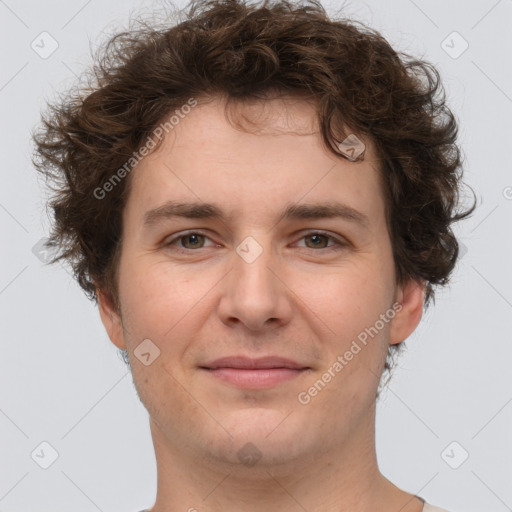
247	363
250	373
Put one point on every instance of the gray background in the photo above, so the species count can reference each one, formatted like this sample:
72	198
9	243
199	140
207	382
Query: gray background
62	382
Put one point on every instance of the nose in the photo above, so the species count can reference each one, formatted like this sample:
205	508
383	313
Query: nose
254	292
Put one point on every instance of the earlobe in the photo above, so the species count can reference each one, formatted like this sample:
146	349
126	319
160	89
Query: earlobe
411	297
111	319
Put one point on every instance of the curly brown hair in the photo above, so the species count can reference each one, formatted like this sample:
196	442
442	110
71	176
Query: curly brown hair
243	51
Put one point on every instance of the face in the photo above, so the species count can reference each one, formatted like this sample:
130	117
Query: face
317	291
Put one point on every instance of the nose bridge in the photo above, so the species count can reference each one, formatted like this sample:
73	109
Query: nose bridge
254	294
252	263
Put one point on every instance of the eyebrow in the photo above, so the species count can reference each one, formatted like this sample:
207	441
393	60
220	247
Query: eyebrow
200	210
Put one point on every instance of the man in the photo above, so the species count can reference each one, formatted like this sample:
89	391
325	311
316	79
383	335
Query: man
260	201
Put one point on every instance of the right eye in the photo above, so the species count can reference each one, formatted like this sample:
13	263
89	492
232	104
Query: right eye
192	238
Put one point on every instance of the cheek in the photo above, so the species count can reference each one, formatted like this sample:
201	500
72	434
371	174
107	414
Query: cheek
351	305
155	296
348	299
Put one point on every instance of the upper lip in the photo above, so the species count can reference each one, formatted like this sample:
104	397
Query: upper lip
252	363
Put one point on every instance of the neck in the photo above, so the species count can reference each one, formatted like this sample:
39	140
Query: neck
338	476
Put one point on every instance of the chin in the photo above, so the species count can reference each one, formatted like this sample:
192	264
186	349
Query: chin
257	422
275	435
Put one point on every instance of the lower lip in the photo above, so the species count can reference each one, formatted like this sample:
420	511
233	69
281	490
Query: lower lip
256	379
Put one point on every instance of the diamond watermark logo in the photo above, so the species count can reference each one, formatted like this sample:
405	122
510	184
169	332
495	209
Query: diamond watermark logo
249	250
43	252
44	45
454	455
454	45
463	249
249	454
146	352
44	455
352	147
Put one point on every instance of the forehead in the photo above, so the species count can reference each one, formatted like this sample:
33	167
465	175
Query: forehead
253	155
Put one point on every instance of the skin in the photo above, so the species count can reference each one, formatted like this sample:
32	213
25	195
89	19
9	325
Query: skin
298	300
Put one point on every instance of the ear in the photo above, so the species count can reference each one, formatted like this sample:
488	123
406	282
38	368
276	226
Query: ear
411	297
111	319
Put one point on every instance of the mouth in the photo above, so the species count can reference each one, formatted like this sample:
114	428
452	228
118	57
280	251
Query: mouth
251	373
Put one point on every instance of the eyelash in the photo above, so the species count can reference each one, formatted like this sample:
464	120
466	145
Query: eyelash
340	244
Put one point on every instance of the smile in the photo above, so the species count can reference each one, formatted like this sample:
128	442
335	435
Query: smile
260	378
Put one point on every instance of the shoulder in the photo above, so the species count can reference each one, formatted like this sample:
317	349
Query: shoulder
430	508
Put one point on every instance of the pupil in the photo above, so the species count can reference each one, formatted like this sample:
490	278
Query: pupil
192	237
317	238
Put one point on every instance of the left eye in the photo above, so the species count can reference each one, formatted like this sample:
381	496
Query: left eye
193	240
318	235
